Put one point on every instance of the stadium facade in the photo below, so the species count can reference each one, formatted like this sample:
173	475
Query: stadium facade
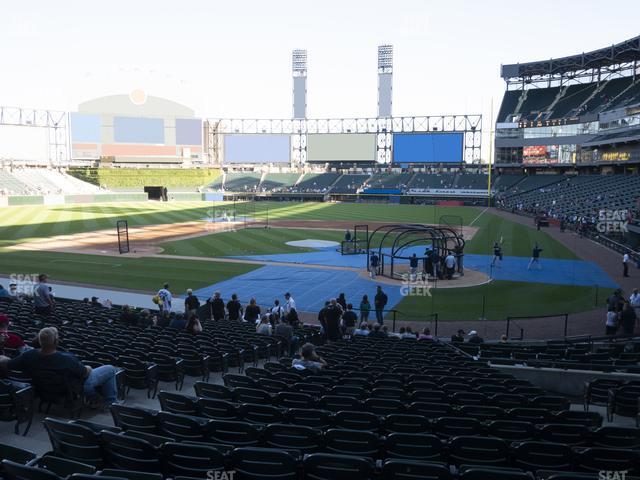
576	112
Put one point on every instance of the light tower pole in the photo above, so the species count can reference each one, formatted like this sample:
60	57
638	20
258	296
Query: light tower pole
385	90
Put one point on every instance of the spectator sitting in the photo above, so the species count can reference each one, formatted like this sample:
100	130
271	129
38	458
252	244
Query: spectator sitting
95	302
409	334
193	325
264	327
178	322
4	293
426	335
96	382
144	319
363	330
377	332
252	312
458	337
9	339
310	359
504	339
474	337
128	316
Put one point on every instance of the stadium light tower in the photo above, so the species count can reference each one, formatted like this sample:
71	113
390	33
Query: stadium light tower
385	76
299	68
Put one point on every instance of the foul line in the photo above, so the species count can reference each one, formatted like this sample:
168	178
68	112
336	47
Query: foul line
479	215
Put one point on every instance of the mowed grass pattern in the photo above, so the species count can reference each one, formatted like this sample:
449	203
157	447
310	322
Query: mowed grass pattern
500	298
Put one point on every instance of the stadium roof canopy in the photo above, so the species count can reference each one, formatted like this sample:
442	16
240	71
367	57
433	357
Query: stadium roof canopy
624	52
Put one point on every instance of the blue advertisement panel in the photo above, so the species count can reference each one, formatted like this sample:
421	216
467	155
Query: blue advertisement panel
188	131
85	128
428	148
257	149
138	130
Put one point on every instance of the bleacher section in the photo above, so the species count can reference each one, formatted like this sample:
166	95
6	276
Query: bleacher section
509	104
581	196
315	183
537	101
432	180
278	182
534	182
574	96
349	183
389	180
40	181
472	181
242	182
501	183
10	185
574	100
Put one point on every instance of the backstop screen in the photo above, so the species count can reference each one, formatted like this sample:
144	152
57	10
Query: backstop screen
257	148
428	148
341	147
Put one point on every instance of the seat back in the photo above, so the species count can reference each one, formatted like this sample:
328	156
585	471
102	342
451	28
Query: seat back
74	441
189	460
264	463
128	453
323	466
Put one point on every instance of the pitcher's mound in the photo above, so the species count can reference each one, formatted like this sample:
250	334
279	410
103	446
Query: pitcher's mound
310	243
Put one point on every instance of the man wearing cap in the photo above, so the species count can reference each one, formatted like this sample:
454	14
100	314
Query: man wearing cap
475	338
457	338
8	339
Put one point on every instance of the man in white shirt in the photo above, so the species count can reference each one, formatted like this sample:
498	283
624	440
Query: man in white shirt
165	300
625	265
450	265
289	303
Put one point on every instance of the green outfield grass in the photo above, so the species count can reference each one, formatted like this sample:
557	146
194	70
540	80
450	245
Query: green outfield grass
145	274
500	298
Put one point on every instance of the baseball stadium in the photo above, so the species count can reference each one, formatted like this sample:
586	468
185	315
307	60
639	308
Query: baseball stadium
445	296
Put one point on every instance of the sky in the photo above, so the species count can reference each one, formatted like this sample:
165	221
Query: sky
232	59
